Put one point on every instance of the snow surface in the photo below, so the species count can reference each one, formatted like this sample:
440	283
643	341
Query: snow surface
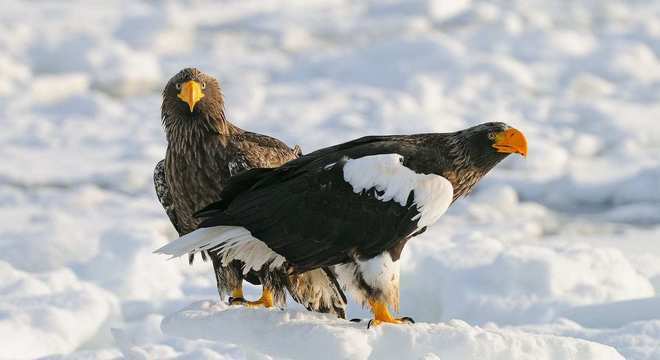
279	334
561	246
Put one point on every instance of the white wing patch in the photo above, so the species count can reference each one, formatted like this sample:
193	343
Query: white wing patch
387	174
231	242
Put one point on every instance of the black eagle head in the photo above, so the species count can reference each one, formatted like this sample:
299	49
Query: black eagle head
192	95
489	143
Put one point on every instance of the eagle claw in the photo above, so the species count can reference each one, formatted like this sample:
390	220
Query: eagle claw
237	300
403	320
407	319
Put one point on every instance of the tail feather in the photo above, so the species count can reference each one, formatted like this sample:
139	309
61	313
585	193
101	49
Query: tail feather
202	239
231	242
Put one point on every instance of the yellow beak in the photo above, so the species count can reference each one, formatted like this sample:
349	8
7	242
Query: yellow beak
511	141
191	93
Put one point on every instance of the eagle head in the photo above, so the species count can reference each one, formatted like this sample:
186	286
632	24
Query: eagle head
192	95
493	139
481	147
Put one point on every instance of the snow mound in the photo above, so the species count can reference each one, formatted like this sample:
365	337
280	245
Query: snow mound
636	340
480	279
615	314
48	313
300	335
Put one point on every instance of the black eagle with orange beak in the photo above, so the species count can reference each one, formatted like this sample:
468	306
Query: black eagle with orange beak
350	208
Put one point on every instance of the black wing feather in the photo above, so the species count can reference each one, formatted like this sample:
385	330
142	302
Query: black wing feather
311	216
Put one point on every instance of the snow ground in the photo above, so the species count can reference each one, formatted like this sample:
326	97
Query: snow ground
562	246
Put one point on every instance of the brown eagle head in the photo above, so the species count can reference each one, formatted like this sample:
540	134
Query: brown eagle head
192	98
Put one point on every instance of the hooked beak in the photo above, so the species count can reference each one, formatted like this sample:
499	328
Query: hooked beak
191	93
511	141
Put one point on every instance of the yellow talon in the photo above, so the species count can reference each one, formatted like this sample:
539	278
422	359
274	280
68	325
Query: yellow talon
382	315
266	300
237	293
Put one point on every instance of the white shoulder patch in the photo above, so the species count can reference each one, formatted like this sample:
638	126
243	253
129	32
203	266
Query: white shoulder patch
231	242
387	174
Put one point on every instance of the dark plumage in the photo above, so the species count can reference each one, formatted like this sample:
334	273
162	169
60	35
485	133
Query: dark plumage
352	207
204	150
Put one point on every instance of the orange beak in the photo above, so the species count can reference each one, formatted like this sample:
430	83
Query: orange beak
511	141
191	93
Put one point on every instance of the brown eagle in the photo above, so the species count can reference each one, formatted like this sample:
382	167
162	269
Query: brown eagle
203	151
350	207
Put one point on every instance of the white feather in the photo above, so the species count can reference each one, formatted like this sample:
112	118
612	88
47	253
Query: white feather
386	173
380	272
232	242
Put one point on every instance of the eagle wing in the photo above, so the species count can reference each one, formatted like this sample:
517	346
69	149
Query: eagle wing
164	195
165	198
317	290
308	211
261	151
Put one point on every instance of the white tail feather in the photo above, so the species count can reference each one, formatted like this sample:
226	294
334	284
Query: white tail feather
232	242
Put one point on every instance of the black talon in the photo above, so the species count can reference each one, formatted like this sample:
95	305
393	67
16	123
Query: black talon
369	324
408	319
236	300
356	320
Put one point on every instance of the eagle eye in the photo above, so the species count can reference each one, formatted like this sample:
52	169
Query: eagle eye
178	86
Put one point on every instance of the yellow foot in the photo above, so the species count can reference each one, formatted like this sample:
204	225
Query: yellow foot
382	315
401	320
236	297
265	301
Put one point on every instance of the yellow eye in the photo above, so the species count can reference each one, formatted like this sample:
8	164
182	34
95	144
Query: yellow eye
178	86
492	135
203	85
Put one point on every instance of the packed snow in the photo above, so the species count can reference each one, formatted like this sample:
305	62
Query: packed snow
556	256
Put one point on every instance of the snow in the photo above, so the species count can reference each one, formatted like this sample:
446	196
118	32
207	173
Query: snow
49	312
280	334
561	246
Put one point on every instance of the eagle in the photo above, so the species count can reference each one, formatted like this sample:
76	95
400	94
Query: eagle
203	151
350	208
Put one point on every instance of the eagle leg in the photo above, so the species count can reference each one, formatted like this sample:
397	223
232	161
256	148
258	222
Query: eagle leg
236	297
266	300
382	315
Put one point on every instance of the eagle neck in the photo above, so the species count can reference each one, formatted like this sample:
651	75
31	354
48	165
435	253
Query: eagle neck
465	166
199	131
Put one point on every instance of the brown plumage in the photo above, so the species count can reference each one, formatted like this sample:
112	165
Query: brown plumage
204	150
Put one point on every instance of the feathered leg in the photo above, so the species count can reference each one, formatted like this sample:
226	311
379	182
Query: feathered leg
229	279
375	283
230	282
272	293
318	290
